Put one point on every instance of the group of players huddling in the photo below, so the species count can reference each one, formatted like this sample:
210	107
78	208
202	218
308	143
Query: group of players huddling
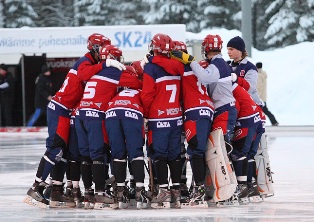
99	119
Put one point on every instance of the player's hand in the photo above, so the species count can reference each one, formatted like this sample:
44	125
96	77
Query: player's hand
234	77
182	56
115	63
145	60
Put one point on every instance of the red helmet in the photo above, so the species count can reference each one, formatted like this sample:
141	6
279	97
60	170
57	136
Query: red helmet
181	46
110	52
203	63
211	43
138	68
161	43
96	40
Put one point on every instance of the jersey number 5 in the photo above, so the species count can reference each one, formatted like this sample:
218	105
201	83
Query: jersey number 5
89	91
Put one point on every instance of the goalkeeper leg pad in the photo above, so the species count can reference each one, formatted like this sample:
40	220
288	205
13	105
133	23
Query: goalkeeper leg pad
219	169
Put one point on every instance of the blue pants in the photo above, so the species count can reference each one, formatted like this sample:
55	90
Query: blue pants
203	127
91	138
167	143
125	138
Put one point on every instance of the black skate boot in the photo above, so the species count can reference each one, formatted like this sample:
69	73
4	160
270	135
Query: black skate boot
89	198
242	191
198	197
162	200
77	197
103	201
142	200
35	195
185	195
122	197
253	193
59	200
175	198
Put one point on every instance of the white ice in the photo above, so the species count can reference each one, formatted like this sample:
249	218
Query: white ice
291	155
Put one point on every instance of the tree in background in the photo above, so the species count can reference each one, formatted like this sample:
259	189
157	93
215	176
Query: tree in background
292	21
53	13
275	23
17	13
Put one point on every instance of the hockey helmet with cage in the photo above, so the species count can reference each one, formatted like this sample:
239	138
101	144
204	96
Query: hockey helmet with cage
161	44
179	45
138	68
111	52
211	43
96	40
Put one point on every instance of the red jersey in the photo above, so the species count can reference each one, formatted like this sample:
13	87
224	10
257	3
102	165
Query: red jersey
196	101
126	104
102	87
161	96
248	113
72	88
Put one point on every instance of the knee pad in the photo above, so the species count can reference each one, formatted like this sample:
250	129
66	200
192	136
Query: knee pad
193	142
54	154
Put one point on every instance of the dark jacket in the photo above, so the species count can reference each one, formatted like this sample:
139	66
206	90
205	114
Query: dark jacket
7	95
43	91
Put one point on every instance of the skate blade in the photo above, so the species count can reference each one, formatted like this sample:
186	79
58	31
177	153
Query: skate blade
142	205
199	204
256	199
244	201
162	205
58	204
79	204
225	204
105	206
32	202
88	205
175	205
123	205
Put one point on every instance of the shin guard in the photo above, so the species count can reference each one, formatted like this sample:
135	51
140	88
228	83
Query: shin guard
264	174
219	168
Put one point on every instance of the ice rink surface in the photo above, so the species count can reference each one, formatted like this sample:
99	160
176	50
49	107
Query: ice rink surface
291	151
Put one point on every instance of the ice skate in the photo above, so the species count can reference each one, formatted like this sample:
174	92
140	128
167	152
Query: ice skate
142	200
89	199
175	198
162	200
185	195
131	193
77	197
232	201
35	196
59	200
122	199
242	191
198	197
104	201
253	193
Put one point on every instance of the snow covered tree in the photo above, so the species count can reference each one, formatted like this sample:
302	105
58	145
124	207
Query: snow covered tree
53	13
18	13
115	12
292	22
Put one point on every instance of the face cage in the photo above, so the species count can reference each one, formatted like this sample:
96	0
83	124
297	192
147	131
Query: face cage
96	47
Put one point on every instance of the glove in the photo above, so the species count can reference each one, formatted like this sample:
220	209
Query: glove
234	77
145	60
182	56
115	63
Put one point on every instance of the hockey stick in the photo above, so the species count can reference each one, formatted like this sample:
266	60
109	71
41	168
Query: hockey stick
151	176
